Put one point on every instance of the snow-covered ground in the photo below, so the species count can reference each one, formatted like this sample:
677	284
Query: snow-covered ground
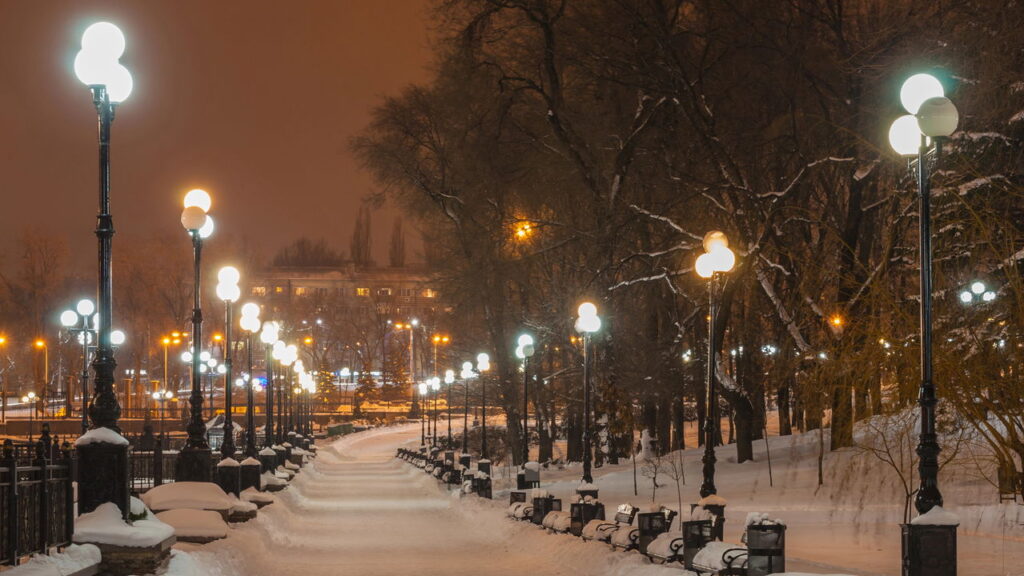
357	510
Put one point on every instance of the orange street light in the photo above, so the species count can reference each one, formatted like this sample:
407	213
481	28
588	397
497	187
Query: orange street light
836	320
523	230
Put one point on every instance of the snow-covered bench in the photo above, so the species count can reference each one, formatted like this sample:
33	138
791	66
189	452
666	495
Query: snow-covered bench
557	521
602	530
520	510
667	547
651	522
721	558
543	504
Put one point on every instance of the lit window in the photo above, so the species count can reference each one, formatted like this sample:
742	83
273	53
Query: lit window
259	290
383	291
362	291
301	290
407	292
278	289
430	293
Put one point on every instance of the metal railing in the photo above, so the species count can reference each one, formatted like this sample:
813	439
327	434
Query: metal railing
36	500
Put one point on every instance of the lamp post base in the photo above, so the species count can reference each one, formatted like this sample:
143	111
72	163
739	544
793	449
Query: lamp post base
928	550
102	476
194	465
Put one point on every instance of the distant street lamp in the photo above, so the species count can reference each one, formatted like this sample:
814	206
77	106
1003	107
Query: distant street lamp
30	399
466	374
250	322
930	120
977	291
449	379
524	351
162	398
483	364
423	416
587	322
717	260
268	335
229	292
81	322
194	458
435	386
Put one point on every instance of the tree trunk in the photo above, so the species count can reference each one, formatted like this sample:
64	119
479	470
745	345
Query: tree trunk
785	426
745	428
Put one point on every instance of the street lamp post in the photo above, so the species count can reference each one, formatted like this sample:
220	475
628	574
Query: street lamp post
483	364
103	465
194	458
716	260
162	398
30	399
435	386
449	379
423	420
466	374
587	322
229	292
250	322
78	321
268	335
930	120
524	351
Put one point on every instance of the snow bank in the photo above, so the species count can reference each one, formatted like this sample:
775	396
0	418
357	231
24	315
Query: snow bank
241	506
195	523
191	495
101	435
250	461
937	516
104	525
73	559
183	564
268	479
228	463
268	452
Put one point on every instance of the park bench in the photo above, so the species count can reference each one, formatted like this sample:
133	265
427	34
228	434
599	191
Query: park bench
652	524
543	503
602	530
721	558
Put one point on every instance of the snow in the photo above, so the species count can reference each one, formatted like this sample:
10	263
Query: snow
254	495
72	559
195	523
105	435
241	505
228	463
761	519
712	500
137	507
588	486
250	461
192	495
533	466
268	452
539	493
937	516
268	479
663	544
715	555
104	525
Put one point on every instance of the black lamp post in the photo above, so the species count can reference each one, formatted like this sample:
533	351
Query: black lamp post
587	322
79	322
928	547
467	373
102	465
716	260
423	416
269	338
524	351
483	364
194	458
228	292
449	379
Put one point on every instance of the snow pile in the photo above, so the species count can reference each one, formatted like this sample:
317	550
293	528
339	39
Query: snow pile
291	465
228	463
137	509
665	546
558	520
761	519
253	495
700	514
937	516
104	525
648	509
719	556
539	493
268	479
597	530
195	523
105	435
72	559
625	537
268	452
250	461
183	564
586	486
191	495
532	466
712	500
241	506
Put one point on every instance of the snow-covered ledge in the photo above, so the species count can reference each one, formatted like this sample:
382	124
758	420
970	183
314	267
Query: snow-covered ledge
937	516
142	547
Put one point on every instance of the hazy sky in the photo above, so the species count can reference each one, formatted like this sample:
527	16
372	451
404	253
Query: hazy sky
253	100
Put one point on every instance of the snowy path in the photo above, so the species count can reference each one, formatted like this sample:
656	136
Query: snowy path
363	512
